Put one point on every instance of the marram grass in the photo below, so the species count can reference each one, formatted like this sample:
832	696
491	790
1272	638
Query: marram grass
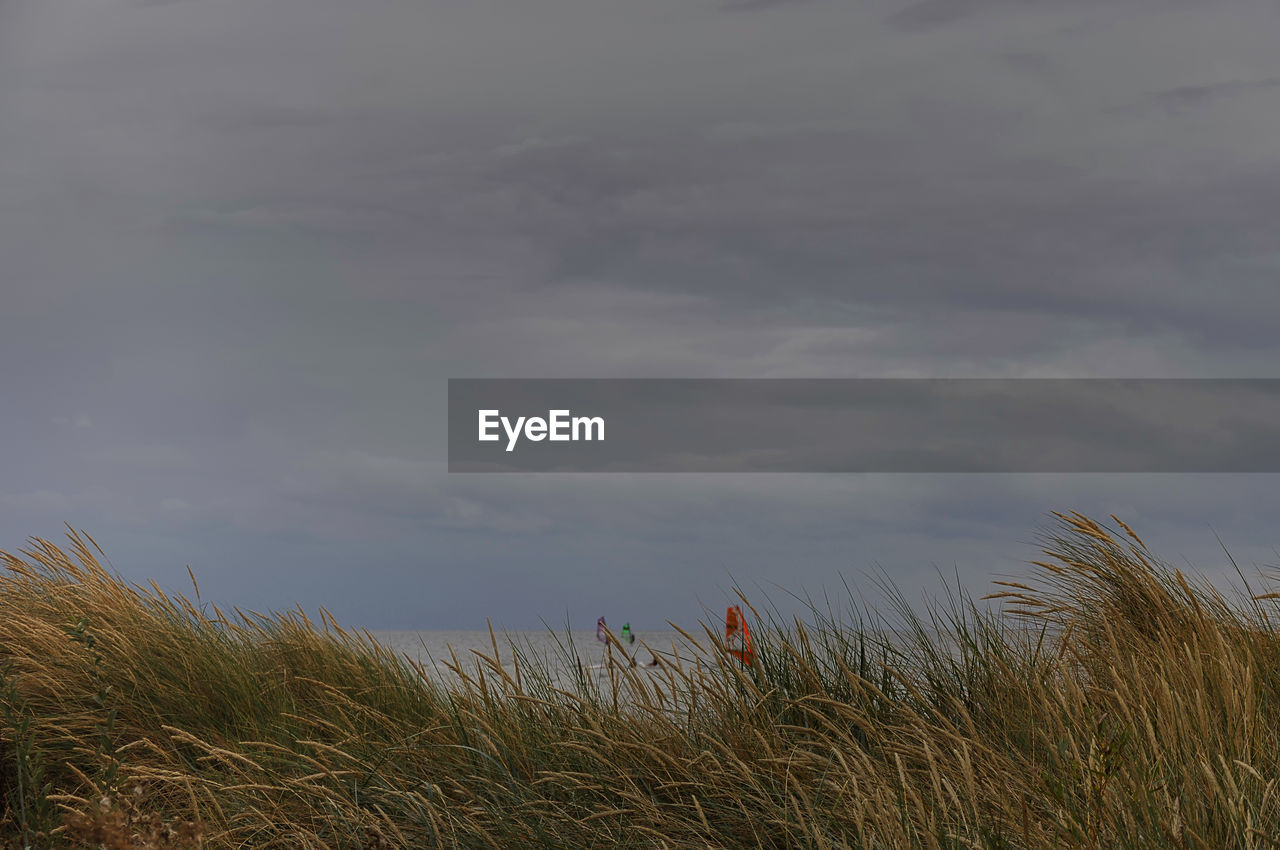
1113	703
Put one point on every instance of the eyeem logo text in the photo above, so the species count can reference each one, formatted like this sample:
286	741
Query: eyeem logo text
559	426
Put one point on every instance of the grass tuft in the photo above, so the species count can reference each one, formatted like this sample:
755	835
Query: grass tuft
1110	701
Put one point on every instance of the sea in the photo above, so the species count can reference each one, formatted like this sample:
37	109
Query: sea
560	651
564	654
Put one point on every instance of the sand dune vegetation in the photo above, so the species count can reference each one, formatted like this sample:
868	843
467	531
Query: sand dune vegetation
1108	701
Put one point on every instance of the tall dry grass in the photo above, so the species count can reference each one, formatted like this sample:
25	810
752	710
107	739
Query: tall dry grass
1115	703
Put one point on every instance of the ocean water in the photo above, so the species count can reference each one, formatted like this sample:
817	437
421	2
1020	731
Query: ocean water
561	652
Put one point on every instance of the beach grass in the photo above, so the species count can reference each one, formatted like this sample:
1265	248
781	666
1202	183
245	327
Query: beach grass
1107	701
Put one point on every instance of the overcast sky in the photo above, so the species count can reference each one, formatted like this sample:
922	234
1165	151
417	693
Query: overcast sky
244	244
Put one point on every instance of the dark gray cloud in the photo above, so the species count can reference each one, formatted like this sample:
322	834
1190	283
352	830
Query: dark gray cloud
757	5
925	15
245	245
1196	94
929	14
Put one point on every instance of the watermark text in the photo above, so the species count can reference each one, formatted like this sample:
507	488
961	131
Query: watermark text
559	426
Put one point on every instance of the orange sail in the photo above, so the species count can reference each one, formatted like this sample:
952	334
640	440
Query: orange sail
737	639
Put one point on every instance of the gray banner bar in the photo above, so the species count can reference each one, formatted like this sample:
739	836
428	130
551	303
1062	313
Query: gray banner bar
864	425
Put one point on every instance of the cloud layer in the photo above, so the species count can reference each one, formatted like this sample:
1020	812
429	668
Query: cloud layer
245	244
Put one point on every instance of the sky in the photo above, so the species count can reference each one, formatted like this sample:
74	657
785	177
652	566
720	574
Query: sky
245	243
